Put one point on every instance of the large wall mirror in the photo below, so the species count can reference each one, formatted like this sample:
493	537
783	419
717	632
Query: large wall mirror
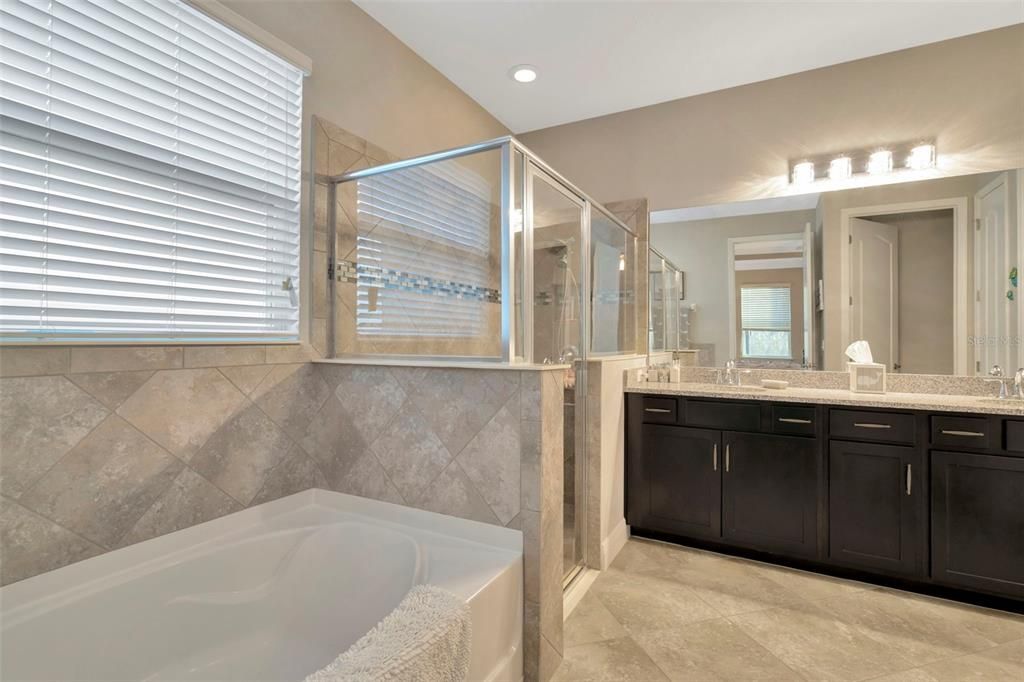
925	271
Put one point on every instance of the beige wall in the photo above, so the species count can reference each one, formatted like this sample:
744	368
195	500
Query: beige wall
368	82
925	290
700	249
735	144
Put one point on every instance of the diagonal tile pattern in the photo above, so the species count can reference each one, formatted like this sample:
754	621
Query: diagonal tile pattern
667	612
99	460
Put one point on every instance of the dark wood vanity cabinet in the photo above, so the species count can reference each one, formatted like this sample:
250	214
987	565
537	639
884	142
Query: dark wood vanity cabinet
770	492
876	518
749	488
977	538
927	501
681	481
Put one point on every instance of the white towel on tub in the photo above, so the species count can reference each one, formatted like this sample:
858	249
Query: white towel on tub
425	639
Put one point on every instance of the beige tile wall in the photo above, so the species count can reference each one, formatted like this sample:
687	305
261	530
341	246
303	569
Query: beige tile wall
94	458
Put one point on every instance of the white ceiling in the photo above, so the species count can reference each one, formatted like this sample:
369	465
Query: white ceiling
597	57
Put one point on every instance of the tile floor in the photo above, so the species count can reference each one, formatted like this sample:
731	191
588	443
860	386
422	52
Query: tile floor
663	612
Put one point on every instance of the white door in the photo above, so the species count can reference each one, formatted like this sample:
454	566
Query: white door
809	307
995	318
874	289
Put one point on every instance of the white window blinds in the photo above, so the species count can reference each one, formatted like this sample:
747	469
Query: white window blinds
150	162
766	321
766	308
422	255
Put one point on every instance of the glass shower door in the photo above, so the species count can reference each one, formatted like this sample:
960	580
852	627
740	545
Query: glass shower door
559	250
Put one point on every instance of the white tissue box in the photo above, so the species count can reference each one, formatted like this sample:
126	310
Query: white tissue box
866	377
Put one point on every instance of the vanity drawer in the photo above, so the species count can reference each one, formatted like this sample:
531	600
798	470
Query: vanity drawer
962	432
793	420
1014	436
888	427
726	415
660	410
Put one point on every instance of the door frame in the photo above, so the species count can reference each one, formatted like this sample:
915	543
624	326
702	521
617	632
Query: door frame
730	269
961	292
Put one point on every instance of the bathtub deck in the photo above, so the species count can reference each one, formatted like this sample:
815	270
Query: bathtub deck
270	593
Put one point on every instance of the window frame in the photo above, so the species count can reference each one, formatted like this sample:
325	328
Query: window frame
743	329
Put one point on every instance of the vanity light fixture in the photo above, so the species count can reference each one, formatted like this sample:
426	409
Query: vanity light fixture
803	173
922	157
622	262
870	166
880	162
524	73
840	168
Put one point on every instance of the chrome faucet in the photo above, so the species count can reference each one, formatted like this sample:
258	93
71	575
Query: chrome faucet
1018	384
996	375
734	375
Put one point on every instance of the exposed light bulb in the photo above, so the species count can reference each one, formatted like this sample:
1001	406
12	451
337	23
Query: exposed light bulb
840	168
524	73
803	173
880	162
921	157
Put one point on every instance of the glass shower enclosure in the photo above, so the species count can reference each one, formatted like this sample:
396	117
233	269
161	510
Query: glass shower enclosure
483	253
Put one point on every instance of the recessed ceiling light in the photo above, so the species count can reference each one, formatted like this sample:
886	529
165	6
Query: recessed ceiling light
524	73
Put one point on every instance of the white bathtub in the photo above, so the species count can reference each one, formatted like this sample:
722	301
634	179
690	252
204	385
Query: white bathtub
270	593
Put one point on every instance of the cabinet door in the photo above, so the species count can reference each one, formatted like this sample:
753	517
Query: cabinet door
682	474
875	519
770	492
978	522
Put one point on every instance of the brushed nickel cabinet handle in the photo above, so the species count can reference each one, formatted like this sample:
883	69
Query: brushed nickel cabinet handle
658	410
714	457
969	434
872	425
909	479
792	420
726	459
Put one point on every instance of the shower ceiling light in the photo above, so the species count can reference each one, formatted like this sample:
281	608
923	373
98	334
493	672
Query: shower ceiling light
880	162
840	168
524	73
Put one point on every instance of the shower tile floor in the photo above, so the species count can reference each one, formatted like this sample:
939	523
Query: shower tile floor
663	612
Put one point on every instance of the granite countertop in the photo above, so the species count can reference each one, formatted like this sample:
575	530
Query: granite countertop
902	401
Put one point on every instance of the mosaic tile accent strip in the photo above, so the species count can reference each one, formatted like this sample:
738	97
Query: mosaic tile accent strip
613	297
348	271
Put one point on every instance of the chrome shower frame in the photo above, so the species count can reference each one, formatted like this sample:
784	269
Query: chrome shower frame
510	269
